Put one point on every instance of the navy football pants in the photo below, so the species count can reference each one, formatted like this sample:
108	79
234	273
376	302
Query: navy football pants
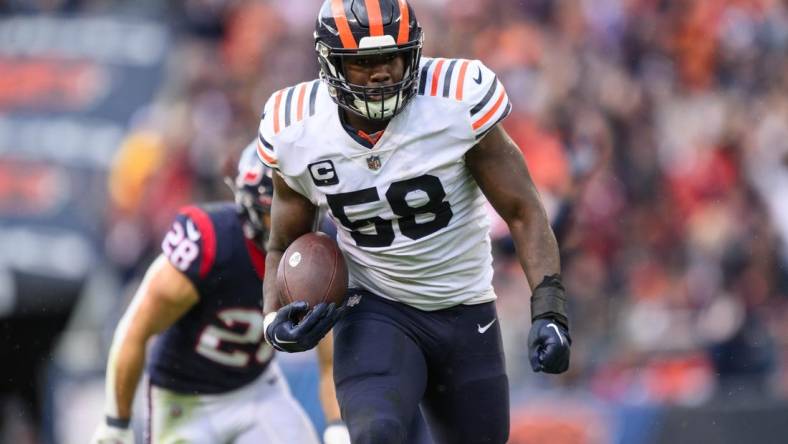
390	357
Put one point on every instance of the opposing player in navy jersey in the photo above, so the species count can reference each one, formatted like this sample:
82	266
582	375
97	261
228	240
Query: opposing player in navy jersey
402	151
212	376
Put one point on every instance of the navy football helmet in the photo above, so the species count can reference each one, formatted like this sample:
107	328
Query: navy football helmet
368	27
253	188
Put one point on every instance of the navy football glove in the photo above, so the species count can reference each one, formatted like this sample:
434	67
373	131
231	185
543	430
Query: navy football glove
548	346
548	340
286	333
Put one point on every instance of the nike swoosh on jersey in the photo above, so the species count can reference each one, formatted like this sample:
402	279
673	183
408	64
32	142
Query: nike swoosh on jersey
560	336
486	327
478	78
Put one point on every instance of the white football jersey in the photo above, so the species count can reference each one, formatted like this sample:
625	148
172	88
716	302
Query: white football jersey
411	220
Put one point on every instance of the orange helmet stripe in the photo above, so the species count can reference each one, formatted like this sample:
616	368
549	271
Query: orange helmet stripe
404	23
375	19
461	79
345	35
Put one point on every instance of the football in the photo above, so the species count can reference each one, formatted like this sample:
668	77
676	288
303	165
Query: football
312	269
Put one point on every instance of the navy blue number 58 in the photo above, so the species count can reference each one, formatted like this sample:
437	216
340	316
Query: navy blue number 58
396	197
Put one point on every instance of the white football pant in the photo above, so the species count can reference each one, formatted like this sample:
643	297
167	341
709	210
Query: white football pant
262	412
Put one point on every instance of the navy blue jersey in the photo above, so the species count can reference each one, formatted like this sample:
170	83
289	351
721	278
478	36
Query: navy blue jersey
218	344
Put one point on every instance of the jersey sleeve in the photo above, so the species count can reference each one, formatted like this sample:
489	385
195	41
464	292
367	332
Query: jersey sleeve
267	131
190	245
485	98
278	131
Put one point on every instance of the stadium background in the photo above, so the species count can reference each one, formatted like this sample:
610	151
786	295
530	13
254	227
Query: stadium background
656	130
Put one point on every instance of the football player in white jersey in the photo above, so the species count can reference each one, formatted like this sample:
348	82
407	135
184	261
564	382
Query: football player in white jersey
403	150
212	377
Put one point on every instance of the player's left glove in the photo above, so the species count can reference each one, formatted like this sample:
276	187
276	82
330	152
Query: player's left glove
286	333
336	433
548	340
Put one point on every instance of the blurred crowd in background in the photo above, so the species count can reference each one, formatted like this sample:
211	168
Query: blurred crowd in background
656	131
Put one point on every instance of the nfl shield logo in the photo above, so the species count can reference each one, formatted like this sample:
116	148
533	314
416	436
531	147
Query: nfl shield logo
373	162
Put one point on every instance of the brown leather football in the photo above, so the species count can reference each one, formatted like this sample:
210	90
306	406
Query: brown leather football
312	269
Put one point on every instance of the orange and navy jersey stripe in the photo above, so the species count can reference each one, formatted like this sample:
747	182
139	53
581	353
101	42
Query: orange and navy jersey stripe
285	108
293	104
443	77
466	81
265	151
491	109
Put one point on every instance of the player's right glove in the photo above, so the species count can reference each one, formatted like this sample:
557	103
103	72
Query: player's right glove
286	333
548	340
113	431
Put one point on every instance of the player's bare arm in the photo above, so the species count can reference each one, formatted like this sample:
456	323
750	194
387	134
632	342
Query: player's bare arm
499	169
164	295
292	215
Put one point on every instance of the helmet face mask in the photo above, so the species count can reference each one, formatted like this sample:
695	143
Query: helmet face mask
398	33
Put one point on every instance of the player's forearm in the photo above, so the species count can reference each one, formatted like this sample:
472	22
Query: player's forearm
271	301
537	248
126	362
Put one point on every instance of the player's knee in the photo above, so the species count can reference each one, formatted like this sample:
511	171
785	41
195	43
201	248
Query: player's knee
378	430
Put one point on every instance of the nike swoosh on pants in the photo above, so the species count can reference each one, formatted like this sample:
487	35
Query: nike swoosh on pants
486	327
